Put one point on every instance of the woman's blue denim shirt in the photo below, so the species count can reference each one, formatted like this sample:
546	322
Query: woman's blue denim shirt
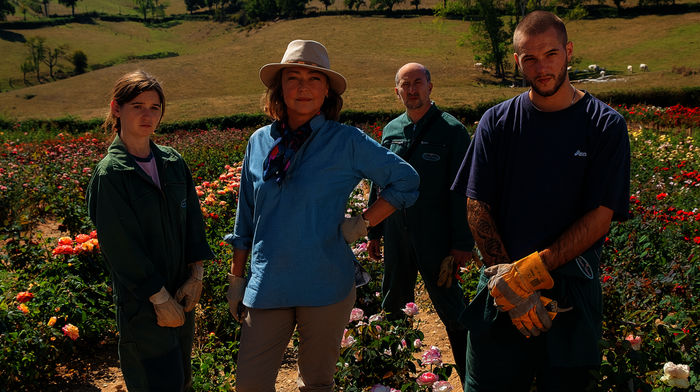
298	254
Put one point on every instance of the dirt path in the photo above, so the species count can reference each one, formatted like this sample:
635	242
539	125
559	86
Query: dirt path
101	372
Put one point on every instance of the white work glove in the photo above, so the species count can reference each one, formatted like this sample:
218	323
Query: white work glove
191	290
234	296
354	228
168	312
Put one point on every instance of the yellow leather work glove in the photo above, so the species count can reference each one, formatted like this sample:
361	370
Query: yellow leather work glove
191	290
533	317
448	267
168	312
234	296
512	284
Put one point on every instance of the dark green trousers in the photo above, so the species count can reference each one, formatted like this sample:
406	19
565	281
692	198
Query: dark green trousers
402	263
564	358
153	358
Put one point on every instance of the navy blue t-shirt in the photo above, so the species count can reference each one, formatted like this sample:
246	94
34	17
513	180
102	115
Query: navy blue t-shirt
541	171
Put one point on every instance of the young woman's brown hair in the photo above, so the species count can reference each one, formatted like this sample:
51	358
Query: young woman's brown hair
129	87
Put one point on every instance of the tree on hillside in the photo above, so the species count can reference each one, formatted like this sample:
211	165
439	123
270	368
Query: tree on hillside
327	3
157	9
570	3
37	53
355	4
79	60
291	8
194	5
69	3
415	3
618	4
143	6
260	9
384	4
46	7
52	57
489	39
6	8
26	67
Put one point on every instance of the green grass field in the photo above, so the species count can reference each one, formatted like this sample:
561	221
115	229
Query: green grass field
216	70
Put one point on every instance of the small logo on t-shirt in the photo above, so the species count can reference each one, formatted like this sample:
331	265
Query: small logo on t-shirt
585	268
580	153
183	203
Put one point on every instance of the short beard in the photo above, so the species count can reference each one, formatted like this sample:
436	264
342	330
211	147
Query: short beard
559	81
413	105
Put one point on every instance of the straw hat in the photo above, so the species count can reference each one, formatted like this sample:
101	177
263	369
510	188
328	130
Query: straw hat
306	54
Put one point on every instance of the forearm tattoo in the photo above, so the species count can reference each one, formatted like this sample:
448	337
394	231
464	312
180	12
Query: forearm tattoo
485	233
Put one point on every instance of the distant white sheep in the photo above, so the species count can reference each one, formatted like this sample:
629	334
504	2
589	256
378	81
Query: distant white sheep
594	68
643	67
629	68
602	73
568	69
479	66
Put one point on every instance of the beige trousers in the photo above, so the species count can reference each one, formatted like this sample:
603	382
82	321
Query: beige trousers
265	334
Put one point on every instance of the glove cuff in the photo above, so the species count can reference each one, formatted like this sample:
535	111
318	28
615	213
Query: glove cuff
160	297
235	280
197	271
533	271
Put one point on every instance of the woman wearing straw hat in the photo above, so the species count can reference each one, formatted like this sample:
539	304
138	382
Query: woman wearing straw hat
297	175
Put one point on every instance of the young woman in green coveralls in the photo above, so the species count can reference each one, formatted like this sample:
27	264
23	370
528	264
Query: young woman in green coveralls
142	200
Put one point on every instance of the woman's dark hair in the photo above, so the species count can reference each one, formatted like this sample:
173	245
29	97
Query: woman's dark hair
126	89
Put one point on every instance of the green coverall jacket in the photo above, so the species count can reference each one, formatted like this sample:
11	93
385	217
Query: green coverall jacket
148	236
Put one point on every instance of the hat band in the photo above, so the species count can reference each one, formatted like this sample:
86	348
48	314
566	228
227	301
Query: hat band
304	63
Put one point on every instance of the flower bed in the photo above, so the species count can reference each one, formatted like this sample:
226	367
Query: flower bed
55	297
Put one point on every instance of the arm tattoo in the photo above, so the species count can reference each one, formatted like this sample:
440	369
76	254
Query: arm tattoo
485	233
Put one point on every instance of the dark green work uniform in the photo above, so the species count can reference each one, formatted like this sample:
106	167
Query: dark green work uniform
148	235
418	238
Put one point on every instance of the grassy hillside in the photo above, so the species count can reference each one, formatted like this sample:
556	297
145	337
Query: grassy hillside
216	72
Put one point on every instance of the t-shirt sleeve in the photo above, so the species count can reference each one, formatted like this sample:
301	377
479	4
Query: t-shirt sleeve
609	182
476	174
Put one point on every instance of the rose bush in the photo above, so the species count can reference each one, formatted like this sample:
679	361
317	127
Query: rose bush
56	302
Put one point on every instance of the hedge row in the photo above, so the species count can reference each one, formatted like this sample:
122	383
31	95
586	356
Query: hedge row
594	11
687	96
90	17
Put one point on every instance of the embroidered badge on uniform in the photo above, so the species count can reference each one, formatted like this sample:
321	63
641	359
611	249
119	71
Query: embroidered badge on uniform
585	268
428	156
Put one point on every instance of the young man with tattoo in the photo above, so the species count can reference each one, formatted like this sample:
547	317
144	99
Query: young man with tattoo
545	175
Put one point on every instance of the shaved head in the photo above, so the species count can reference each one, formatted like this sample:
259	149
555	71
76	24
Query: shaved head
538	22
411	67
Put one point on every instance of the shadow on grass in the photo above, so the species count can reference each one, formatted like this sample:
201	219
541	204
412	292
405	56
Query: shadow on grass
11	36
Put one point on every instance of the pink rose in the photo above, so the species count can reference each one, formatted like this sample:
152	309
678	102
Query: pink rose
432	357
426	379
635	341
411	309
356	314
442	386
71	331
